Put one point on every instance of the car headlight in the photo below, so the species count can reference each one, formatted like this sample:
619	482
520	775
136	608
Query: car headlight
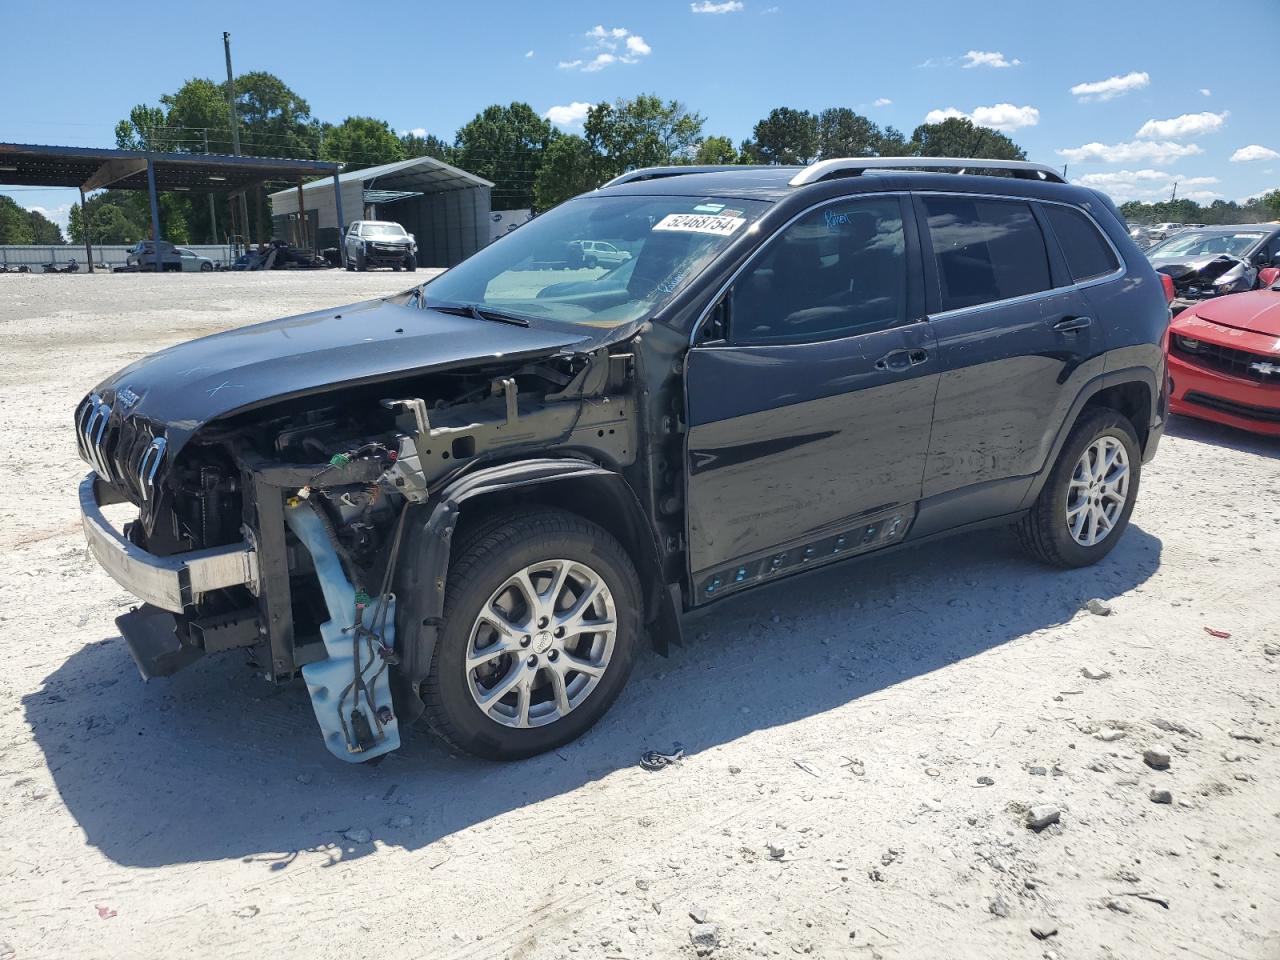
1232	280
1186	343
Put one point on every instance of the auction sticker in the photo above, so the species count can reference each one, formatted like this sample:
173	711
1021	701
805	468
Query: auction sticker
699	223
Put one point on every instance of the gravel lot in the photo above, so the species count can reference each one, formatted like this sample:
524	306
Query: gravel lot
862	744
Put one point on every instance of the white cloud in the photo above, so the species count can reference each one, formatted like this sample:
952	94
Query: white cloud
1111	87
882	102
610	45
569	115
1001	116
1206	92
528	55
1139	151
1179	128
1147	184
981	58
706	6
1254	152
418	132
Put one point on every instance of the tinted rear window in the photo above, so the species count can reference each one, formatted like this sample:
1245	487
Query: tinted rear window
1087	252
986	250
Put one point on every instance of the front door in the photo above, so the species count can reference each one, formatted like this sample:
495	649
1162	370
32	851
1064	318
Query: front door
810	401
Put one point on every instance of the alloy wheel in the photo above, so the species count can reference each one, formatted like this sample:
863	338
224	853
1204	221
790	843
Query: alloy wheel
541	643
1098	491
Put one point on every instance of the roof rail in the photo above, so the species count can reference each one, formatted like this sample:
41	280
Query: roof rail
856	166
658	173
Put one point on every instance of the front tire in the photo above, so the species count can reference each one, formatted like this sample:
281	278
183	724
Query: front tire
411	263
1084	506
542	613
361	263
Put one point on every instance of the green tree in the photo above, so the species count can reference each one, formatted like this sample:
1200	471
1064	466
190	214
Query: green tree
43	229
428	146
361	142
505	145
961	137
1271	201
784	136
642	132
569	167
844	133
199	110
15	225
274	121
116	216
716	150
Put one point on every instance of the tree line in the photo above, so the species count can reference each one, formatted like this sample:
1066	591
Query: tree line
18	225
1255	210
530	162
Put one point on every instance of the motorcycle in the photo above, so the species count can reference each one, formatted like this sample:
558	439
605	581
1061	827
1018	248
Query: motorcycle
71	267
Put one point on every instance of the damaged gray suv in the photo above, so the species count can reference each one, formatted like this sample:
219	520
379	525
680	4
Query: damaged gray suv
469	502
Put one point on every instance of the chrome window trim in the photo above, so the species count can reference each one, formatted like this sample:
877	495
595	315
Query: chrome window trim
1084	284
733	277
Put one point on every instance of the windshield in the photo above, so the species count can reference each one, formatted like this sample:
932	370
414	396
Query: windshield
1196	244
382	230
556	267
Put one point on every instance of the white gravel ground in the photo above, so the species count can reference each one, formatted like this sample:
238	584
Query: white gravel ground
836	730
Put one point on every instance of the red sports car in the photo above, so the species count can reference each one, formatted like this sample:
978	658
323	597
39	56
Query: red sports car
1224	360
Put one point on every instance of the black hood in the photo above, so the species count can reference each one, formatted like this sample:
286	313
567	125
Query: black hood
190	384
1204	268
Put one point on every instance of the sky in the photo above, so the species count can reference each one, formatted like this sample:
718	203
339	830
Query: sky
1130	95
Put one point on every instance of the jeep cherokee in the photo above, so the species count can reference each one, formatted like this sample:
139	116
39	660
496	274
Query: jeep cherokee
468	502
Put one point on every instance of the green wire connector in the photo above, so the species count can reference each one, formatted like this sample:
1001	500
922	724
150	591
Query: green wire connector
362	598
339	460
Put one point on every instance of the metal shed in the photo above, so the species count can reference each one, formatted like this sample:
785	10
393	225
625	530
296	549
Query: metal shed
445	208
91	169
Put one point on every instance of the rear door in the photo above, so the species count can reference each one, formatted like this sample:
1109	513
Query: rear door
809	416
1016	341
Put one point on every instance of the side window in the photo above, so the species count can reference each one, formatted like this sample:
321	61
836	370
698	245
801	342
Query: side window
839	270
986	250
1087	252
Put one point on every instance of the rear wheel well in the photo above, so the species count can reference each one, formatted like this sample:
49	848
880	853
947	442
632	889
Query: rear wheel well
1133	399
608	503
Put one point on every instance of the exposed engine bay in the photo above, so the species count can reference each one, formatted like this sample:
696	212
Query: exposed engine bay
320	487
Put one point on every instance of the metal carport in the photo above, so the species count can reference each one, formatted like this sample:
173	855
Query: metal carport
447	209
88	168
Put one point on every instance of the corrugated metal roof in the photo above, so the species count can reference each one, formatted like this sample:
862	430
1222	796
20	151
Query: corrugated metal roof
421	174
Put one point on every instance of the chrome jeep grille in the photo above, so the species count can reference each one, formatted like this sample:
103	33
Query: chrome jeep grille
91	434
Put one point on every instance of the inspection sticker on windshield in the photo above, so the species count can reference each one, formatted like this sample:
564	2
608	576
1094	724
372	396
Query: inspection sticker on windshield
699	223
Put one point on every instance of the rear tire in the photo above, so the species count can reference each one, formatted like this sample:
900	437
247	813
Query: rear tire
1084	507
538	712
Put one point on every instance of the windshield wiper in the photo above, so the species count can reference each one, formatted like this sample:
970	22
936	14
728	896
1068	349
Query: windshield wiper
477	312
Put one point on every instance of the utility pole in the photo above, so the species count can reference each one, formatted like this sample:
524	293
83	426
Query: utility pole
213	213
235	127
1174	196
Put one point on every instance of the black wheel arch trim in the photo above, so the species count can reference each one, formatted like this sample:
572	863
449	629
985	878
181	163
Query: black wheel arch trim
423	568
1104	381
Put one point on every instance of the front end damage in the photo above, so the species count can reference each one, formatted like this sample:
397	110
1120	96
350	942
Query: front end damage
1198	280
313	531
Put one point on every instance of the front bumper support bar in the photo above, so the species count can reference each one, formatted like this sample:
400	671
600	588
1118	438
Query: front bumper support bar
171	583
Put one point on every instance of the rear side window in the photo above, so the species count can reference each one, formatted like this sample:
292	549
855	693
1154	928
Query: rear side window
1087	252
986	250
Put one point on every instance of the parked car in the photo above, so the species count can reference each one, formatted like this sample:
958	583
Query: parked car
142	256
192	261
1212	261
1224	359
1161	231
601	253
380	243
470	502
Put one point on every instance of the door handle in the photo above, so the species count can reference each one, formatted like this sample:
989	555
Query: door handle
902	359
1068	324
